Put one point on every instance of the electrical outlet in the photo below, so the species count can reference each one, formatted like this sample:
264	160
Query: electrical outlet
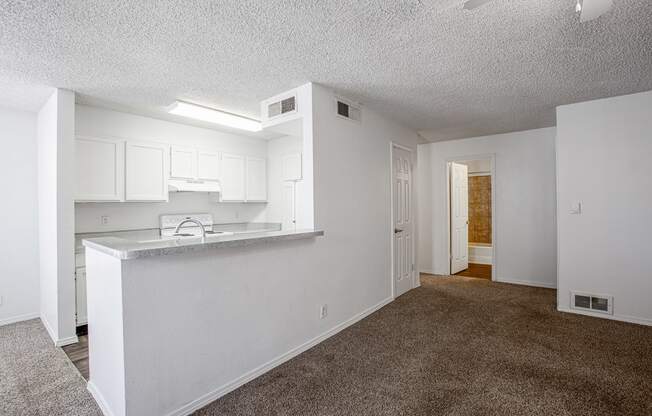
323	311
104	220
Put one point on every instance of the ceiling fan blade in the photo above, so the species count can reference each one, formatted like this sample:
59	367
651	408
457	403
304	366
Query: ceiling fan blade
472	4
592	9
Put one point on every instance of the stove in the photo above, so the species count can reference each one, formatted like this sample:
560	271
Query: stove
168	223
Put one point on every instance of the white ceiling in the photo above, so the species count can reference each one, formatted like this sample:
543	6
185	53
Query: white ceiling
444	71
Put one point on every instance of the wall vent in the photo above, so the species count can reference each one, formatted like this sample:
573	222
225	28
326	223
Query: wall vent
282	107
592	302
348	110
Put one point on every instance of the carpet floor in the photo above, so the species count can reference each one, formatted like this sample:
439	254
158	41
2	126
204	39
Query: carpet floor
462	346
36	378
454	346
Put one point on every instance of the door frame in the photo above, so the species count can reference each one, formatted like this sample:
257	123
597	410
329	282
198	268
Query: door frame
492	158
392	280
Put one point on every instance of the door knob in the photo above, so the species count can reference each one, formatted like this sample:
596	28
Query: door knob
396	231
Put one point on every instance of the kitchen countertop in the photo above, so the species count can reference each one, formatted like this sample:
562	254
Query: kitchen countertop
126	249
154	233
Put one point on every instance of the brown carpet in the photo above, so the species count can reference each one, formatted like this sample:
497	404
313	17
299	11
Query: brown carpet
462	346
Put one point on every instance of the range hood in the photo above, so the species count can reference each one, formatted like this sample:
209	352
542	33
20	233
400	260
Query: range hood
180	185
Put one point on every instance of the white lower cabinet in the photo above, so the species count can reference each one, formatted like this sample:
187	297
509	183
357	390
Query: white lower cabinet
146	171
80	296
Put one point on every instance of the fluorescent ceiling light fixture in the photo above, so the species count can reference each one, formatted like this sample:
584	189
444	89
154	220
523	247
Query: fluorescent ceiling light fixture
211	115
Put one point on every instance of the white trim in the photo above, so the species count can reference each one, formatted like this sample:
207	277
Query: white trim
19	318
66	341
99	399
527	283
256	372
621	318
58	342
427	271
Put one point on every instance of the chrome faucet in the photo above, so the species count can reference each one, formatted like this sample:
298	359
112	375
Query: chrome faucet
188	219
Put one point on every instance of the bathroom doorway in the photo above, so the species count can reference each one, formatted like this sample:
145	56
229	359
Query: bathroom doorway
471	217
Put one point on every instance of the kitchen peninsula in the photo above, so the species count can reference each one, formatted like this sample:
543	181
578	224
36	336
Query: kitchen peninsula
148	299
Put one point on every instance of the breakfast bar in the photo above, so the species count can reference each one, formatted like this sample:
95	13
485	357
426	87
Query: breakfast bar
175	323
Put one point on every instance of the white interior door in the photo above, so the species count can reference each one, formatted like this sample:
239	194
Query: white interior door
459	194
403	220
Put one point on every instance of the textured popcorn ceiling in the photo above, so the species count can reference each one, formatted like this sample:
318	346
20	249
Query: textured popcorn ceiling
444	71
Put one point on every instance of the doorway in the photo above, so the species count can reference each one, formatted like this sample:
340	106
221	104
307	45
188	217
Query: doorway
471	217
403	241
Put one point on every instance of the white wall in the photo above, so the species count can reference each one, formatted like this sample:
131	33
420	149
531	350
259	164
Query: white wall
19	271
352	177
99	122
524	236
55	133
603	152
141	215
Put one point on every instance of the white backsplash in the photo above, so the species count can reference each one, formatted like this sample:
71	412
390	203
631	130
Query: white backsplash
139	215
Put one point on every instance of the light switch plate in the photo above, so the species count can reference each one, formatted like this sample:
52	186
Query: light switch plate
576	208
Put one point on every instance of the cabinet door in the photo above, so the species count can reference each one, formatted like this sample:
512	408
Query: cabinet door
80	296
147	172
99	169
256	179
292	167
233	177
208	165
183	162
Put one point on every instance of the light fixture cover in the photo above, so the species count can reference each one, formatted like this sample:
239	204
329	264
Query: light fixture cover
211	115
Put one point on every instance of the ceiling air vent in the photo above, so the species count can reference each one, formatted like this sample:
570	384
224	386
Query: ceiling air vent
591	302
285	106
348	111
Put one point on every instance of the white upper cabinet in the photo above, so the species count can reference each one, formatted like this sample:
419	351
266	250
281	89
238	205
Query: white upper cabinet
146	171
292	167
183	162
256	179
99	169
208	165
233	177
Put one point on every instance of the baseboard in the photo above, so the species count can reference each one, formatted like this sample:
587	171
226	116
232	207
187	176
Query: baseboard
66	341
58	342
247	377
18	318
621	318
527	283
99	399
427	271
